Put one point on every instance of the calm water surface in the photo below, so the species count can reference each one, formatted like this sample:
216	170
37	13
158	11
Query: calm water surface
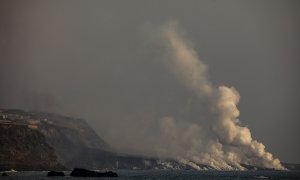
169	175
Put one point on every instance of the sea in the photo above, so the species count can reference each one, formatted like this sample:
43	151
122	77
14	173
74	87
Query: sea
166	175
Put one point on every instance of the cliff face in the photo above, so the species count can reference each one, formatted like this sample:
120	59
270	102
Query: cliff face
22	148
45	135
69	136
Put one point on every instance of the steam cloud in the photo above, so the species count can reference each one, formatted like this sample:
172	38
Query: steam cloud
226	144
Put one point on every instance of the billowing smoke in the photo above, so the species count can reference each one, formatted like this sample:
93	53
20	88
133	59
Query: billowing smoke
225	144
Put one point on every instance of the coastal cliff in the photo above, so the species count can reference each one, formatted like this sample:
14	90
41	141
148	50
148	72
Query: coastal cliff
50	137
23	148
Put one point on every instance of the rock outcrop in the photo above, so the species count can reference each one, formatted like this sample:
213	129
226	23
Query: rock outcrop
79	172
23	148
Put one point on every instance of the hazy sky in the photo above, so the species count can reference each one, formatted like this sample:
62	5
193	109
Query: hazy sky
93	59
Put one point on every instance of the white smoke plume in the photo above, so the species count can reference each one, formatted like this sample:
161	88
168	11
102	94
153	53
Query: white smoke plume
227	144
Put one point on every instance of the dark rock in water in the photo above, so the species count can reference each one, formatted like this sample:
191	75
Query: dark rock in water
78	172
56	173
4	174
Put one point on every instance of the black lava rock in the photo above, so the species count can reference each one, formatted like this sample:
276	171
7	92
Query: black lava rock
4	174
56	173
78	172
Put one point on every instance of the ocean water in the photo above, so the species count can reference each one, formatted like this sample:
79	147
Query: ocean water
168	175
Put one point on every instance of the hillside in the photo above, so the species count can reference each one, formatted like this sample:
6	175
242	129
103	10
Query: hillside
23	148
67	136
